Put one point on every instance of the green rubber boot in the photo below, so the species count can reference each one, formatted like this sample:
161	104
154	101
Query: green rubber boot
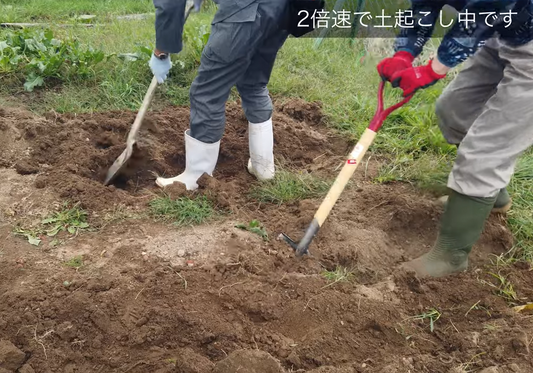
503	202
501	206
461	226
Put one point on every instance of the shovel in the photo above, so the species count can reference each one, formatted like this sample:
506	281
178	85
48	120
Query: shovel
123	159
346	173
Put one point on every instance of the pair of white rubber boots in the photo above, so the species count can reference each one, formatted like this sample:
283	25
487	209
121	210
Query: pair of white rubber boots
201	157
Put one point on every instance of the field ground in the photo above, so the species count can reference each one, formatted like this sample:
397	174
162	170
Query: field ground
127	278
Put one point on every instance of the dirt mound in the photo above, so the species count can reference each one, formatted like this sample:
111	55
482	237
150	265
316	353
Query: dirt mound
72	153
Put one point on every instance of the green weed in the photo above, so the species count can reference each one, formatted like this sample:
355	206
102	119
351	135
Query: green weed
503	288
183	211
255	227
340	274
70	219
289	186
76	262
31	235
432	315
477	306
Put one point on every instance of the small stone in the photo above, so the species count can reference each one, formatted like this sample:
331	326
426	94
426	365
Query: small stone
294	360
66	284
181	253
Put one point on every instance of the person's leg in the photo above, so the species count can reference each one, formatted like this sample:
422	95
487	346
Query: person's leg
257	106
463	100
485	163
224	60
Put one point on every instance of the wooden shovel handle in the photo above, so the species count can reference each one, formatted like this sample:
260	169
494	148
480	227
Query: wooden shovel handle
354	159
132	136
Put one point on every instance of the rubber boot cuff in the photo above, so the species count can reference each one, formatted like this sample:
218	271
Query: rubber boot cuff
261	146
502	205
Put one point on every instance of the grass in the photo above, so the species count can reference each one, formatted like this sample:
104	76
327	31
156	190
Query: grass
340	274
76	262
340	74
503	288
183	211
288	186
432	315
41	10
255	227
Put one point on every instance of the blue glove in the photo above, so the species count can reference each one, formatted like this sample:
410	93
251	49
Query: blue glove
160	68
197	5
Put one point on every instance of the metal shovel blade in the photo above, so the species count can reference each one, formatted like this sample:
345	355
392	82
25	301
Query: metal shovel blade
119	163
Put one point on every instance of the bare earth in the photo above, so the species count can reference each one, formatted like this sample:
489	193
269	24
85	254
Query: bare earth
152	297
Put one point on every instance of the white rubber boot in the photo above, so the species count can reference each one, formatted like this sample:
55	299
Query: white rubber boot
261	145
200	157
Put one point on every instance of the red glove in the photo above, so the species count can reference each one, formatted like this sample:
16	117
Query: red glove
415	78
400	61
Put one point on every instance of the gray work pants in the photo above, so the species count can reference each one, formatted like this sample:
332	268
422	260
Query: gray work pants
488	110
241	51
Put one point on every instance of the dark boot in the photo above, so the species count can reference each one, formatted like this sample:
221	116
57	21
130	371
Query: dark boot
461	226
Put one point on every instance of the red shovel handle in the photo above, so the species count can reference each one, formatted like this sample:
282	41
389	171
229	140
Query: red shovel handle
381	114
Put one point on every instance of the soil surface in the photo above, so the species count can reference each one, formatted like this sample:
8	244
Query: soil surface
153	297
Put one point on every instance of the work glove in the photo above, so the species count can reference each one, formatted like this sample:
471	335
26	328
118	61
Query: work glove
197	5
400	61
160	68
414	78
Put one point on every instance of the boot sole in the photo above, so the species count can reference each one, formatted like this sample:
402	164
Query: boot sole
502	210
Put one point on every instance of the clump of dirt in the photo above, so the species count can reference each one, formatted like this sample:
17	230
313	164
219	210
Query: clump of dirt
253	361
11	358
72	153
303	111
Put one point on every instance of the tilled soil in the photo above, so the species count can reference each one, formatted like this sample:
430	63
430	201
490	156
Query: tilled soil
154	298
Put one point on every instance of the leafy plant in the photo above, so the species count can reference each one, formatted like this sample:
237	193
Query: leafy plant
70	220
195	40
38	56
255	227
31	235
